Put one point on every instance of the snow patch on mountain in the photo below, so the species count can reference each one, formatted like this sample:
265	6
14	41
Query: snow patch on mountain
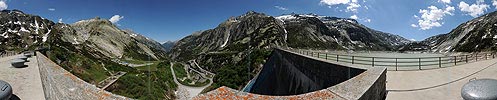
46	35
226	40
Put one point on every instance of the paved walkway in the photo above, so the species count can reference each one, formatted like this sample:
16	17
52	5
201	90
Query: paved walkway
434	84
437	84
26	82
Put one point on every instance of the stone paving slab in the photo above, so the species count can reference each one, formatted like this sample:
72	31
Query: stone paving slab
26	82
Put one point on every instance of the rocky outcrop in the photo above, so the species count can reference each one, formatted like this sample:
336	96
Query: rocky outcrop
20	31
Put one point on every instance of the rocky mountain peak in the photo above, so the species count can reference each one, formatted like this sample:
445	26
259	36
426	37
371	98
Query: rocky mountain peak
94	21
12	11
293	16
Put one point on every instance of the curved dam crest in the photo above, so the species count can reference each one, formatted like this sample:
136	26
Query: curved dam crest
290	74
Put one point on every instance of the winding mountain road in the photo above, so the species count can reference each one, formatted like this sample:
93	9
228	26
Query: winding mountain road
187	92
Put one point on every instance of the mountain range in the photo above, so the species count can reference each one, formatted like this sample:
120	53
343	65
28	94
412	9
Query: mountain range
247	40
235	50
90	49
476	35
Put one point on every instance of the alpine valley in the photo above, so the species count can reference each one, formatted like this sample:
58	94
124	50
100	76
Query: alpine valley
95	49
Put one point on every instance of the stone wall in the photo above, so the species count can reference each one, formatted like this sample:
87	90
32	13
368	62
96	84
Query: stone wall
60	84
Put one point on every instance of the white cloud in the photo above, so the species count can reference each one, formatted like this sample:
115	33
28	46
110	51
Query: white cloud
116	18
444	1
353	7
412	39
3	5
354	17
334	2
414	25
432	16
51	9
474	10
60	20
280	8
367	20
494	2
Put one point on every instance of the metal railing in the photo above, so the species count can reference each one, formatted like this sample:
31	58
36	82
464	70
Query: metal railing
393	63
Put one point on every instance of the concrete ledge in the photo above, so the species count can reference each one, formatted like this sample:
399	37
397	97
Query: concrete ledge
59	84
370	85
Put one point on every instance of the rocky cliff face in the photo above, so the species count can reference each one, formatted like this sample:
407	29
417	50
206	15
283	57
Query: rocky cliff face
314	31
20	31
479	34
101	35
237	34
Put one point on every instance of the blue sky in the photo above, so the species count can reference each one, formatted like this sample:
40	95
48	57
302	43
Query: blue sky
164	20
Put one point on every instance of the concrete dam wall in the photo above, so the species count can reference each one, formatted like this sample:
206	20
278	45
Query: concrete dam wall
289	74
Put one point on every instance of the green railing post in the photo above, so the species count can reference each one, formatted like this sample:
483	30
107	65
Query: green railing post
352	59
440	62
373	61
326	56
396	64
419	63
455	60
466	58
337	58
